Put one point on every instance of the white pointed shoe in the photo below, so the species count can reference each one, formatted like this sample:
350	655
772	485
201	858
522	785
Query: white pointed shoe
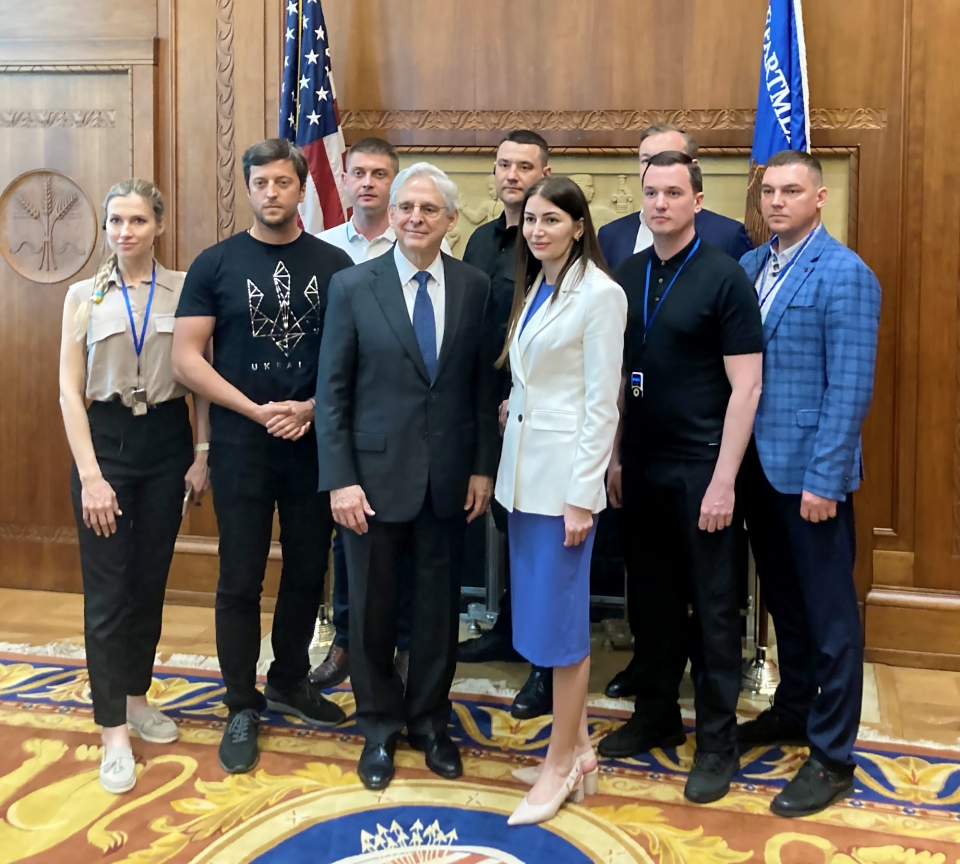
532	814
153	726
591	780
118	770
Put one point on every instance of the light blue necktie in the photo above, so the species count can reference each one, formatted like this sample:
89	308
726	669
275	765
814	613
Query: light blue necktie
425	324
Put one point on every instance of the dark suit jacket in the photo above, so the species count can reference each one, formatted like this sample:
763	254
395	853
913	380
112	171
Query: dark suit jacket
618	238
381	423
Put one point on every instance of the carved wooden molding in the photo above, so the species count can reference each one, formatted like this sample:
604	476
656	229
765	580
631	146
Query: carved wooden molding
66	67
226	147
602	121
56	534
96	118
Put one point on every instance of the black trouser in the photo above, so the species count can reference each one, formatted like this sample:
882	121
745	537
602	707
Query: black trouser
806	575
341	600
144	459
504	623
248	482
672	563
374	559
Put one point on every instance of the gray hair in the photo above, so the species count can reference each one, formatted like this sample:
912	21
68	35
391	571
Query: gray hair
445	186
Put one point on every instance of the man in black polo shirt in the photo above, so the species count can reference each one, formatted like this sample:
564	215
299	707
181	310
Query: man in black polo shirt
520	162
692	368
262	296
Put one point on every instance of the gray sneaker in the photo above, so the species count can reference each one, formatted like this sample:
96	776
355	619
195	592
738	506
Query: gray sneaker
153	726
118	770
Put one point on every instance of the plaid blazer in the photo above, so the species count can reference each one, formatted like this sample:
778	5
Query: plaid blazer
820	344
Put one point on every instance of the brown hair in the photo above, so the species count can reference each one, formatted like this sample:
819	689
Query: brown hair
692	148
149	193
675	157
375	147
275	150
569	197
798	157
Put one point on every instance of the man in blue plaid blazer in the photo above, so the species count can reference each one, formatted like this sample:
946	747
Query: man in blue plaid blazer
821	307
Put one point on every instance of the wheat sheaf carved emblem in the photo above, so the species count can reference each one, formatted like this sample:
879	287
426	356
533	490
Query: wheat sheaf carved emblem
54	204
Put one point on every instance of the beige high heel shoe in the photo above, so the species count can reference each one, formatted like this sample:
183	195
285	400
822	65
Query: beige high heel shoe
591	779
532	814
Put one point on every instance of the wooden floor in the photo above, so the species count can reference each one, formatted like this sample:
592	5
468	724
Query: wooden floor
913	704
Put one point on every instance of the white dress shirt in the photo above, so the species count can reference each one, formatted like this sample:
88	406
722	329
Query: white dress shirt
351	241
777	263
644	237
435	288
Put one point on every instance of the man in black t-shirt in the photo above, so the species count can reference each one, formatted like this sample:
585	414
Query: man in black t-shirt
692	368
520	162
261	296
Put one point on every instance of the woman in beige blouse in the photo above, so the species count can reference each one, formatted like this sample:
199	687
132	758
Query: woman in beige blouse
134	468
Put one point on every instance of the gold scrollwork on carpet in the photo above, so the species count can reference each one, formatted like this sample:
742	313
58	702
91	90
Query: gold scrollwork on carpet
912	779
671	845
831	855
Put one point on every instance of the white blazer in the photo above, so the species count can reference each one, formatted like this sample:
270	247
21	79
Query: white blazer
562	416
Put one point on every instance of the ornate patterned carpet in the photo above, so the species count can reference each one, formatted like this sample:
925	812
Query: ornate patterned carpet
304	803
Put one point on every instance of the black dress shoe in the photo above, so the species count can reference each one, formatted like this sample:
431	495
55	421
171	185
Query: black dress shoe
814	788
624	684
376	764
333	670
710	776
535	698
490	647
442	755
768	729
633	738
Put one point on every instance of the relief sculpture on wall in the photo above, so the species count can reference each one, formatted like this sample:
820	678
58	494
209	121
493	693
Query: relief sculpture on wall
48	227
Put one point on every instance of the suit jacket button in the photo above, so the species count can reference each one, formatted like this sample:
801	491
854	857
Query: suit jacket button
520	418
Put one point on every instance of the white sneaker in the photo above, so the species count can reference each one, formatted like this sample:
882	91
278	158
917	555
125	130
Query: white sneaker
153	726
118	772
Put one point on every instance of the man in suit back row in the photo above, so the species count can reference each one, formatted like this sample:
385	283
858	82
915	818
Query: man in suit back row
406	439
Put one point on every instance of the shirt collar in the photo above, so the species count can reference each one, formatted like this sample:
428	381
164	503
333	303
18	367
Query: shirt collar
678	259
787	255
407	270
163	277
501	230
353	234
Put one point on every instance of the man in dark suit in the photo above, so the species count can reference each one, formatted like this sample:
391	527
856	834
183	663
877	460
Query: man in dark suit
407	438
629	235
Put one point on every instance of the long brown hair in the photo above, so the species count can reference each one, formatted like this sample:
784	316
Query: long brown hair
569	197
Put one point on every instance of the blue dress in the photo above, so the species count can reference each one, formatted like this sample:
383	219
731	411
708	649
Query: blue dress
549	582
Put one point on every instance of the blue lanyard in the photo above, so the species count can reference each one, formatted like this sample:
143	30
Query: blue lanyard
138	343
646	291
766	295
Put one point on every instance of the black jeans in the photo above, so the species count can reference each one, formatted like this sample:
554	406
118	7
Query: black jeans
144	459
671	564
249	482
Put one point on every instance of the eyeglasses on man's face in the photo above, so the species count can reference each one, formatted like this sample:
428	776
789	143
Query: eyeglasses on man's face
428	211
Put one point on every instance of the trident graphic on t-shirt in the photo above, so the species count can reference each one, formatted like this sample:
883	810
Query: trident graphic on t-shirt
286	330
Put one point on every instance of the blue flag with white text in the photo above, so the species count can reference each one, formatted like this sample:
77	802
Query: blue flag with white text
783	104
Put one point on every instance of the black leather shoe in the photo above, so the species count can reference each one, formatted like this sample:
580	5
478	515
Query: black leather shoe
535	698
490	647
442	755
768	729
814	788
709	779
632	739
376	764
333	670
624	684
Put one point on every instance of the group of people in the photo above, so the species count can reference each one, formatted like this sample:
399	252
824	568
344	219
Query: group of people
355	384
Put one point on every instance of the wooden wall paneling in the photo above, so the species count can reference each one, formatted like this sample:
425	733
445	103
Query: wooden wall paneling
89	20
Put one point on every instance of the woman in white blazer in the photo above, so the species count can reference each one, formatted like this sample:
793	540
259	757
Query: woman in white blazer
565	348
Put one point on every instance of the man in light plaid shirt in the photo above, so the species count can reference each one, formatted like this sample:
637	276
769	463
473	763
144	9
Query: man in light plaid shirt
821	309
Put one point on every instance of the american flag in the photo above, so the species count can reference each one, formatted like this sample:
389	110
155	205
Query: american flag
309	116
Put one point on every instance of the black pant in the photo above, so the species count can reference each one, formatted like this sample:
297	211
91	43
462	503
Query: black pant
248	482
504	623
806	573
144	459
341	600
374	559
672	563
